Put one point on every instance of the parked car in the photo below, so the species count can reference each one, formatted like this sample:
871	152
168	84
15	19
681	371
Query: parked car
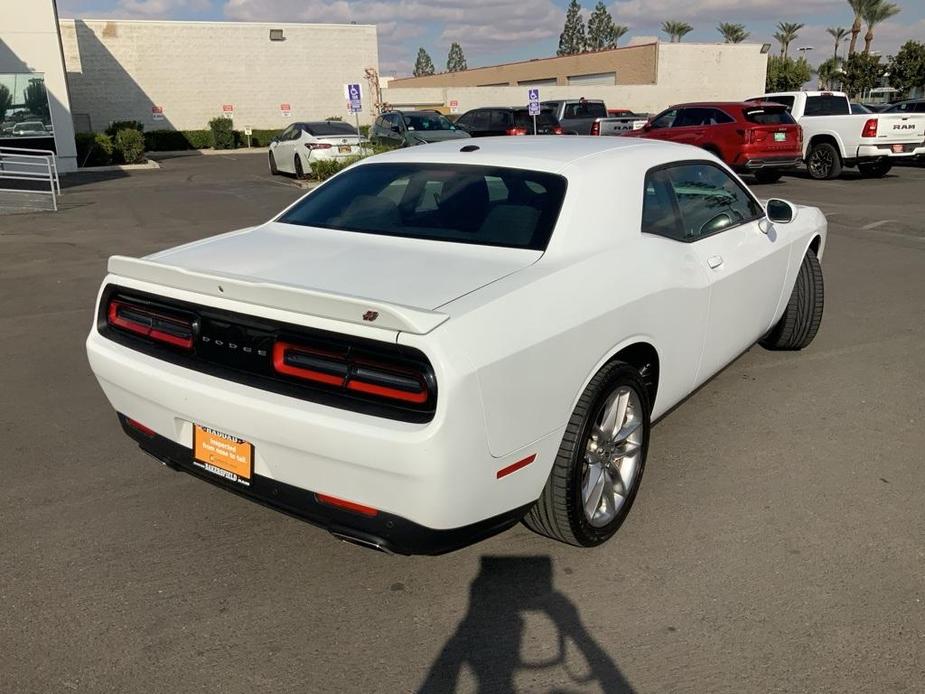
759	138
876	108
302	144
29	128
505	120
834	138
910	106
589	117
860	108
409	128
440	341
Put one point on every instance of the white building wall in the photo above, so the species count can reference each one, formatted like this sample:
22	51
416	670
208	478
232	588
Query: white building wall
29	43
119	70
686	72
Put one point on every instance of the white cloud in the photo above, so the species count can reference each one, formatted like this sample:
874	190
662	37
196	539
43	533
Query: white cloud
132	9
652	12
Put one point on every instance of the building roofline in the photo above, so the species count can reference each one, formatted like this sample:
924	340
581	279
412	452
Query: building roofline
213	22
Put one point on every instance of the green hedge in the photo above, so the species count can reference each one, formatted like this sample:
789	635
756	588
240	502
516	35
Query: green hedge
174	140
93	149
222	133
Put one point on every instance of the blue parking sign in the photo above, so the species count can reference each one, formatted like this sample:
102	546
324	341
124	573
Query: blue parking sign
353	93
533	102
533	95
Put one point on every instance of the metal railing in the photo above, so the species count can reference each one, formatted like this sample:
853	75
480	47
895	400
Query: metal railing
35	165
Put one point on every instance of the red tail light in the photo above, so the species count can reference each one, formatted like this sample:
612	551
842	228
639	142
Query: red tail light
148	322
368	511
515	131
141	428
557	130
870	128
392	381
596	128
318	145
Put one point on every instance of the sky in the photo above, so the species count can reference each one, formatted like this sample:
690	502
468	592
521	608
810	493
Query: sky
494	31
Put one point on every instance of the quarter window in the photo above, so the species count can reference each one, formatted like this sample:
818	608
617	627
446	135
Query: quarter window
665	119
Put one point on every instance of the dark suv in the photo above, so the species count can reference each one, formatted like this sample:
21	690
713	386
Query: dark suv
504	120
409	128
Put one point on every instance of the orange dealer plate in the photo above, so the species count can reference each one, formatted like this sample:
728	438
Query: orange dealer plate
223	455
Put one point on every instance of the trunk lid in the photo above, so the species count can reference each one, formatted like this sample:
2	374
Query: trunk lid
899	127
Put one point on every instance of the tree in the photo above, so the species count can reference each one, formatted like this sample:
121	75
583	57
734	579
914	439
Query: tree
455	60
423	65
6	100
676	30
875	12
858	8
572	39
837	33
829	72
786	34
600	29
862	72
36	99
906	68
786	74
733	33
616	34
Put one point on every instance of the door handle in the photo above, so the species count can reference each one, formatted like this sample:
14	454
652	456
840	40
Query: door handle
714	261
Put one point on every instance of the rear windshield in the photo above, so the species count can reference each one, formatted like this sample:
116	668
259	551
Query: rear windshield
585	109
426	121
826	105
768	115
783	100
485	205
545	119
329	128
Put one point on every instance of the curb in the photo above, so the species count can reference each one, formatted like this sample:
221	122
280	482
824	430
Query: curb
206	152
150	164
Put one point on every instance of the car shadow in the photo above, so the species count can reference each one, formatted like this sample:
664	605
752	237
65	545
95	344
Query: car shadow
489	640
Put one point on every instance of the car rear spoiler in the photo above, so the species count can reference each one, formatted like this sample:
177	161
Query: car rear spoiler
309	302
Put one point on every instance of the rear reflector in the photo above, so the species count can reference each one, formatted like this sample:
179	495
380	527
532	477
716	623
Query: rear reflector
503	472
870	128
367	511
139	427
516	131
149	323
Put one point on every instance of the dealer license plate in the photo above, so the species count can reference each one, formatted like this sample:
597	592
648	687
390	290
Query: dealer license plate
780	137
223	455
344	149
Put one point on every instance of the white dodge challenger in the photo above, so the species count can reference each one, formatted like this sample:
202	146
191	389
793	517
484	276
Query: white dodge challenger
442	341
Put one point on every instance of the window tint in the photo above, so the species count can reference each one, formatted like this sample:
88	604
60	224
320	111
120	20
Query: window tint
459	203
329	128
427	121
392	120
501	120
545	119
665	119
480	120
700	116
826	105
768	115
659	215
709	200
783	100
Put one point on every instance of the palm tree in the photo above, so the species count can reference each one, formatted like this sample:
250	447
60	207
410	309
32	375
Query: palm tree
837	33
617	33
786	34
829	71
733	33
874	13
858	7
676	30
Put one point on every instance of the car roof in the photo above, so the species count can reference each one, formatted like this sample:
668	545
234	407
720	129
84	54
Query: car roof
537	153
729	104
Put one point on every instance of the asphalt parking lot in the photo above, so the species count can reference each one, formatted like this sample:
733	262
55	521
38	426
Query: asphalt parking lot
777	544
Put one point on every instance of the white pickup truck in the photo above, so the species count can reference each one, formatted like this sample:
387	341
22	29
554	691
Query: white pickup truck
833	138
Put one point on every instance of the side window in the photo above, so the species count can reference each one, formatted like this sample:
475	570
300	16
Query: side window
692	116
665	119
392	120
659	213
710	200
286	134
481	120
501	120
718	117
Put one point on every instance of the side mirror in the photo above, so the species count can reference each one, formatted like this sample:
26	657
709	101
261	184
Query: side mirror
780	211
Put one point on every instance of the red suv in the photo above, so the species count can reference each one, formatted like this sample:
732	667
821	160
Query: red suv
756	137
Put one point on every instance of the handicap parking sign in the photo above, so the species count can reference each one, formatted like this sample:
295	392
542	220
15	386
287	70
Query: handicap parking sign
353	93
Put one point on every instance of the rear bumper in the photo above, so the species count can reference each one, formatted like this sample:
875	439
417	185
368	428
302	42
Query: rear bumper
752	164
384	531
885	150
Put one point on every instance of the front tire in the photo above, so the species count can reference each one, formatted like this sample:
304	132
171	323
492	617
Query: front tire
874	169
768	175
803	315
600	462
824	161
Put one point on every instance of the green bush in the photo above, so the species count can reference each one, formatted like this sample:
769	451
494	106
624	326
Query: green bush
117	125
259	138
199	139
222	133
129	146
364	130
93	149
177	140
323	169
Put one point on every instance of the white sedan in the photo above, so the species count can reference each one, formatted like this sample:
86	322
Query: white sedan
300	145
442	341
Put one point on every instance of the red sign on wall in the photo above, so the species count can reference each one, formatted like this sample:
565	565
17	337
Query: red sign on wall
228	108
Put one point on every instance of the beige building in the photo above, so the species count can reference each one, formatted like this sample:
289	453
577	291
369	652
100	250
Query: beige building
180	75
629	65
645	78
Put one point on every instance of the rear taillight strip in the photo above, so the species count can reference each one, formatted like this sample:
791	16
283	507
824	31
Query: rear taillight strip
150	324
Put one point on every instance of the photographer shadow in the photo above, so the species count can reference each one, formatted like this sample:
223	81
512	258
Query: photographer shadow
489	639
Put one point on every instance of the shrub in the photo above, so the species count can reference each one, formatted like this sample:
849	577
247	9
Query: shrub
177	140
222	133
364	130
323	169
117	125
199	139
93	149
130	146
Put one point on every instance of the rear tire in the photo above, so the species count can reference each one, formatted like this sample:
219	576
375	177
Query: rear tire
273	170
768	175
824	162
874	169
803	315
589	448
